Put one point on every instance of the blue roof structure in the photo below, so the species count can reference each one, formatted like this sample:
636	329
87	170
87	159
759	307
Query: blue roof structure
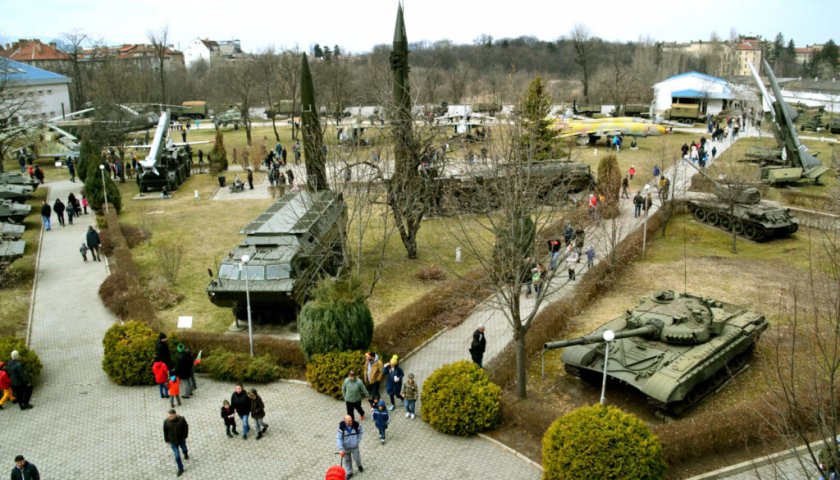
691	93
23	74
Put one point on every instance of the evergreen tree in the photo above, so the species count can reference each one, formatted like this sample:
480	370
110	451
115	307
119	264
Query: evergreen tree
317	51
218	154
336	51
336	319
538	140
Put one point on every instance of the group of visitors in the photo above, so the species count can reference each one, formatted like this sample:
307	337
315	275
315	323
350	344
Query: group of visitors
74	208
15	382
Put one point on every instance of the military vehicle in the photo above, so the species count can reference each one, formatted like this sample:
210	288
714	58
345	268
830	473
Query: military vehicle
798	163
764	156
688	112
10	231
231	116
166	165
834	126
15	193
193	109
13	212
750	218
294	243
10	250
675	348
477	191
15	178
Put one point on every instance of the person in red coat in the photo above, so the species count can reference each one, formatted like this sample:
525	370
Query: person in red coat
161	372
5	385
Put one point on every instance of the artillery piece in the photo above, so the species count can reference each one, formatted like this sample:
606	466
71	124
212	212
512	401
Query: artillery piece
674	348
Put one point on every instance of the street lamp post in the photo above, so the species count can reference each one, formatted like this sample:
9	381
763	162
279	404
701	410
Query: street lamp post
104	189
245	259
609	336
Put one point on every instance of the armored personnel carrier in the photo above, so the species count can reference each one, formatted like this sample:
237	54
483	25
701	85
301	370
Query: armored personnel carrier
674	348
15	178
750	218
13	212
9	231
15	193
10	250
231	116
292	245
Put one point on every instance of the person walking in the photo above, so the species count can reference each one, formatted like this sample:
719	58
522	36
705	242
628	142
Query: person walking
162	350
175	433
373	374
58	208
347	439
242	405
656	172
161	372
229	416
24	470
93	243
84	251
174	386
637	204
393	381
631	172
381	418
21	384
590	257
410	395
71	211
479	345
250	178
258	412
571	264
85	203
353	390
625	187
184	367
5	385
46	213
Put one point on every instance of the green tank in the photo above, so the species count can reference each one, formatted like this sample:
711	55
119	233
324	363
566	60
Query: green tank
13	212
291	246
231	116
15	178
675	348
15	193
743	211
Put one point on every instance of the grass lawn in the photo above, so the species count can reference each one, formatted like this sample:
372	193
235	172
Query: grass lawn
16	292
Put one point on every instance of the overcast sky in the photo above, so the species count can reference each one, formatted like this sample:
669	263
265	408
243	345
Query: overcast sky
358	25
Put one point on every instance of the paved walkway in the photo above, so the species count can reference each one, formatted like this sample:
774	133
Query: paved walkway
83	426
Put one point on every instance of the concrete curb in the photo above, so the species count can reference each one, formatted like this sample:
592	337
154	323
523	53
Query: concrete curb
35	279
757	462
511	451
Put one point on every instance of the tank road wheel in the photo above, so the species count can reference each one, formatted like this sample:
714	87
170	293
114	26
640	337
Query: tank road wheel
725	222
712	218
700	215
738	227
754	232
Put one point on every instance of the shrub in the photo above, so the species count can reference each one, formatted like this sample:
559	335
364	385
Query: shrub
169	256
94	192
240	367
459	399
336	319
609	185
601	442
129	353
326	372
31	363
430	273
285	353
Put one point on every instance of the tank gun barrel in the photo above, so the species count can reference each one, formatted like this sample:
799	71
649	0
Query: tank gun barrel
598	337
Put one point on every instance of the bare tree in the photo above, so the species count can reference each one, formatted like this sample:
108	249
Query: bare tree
268	65
160	42
582	43
73	46
238	83
14	110
290	75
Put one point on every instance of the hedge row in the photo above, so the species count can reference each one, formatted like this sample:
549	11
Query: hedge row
284	353
121	292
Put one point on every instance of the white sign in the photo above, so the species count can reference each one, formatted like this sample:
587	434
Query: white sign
184	322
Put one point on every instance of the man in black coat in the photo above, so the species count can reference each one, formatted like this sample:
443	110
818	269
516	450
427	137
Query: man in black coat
162	350
21	384
478	345
185	370
24	470
240	402
58	208
46	212
93	243
175	432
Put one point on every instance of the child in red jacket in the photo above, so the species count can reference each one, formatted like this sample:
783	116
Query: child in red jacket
161	372
174	390
5	385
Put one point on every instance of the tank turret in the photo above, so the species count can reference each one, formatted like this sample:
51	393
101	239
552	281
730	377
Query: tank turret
675	348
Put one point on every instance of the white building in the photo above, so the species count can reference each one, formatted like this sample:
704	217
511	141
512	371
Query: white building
712	94
209	50
48	92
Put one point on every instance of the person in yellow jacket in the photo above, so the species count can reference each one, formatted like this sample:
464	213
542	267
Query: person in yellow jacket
373	375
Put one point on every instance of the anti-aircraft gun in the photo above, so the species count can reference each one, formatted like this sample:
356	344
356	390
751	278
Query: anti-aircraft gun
675	348
741	209
798	163
166	165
